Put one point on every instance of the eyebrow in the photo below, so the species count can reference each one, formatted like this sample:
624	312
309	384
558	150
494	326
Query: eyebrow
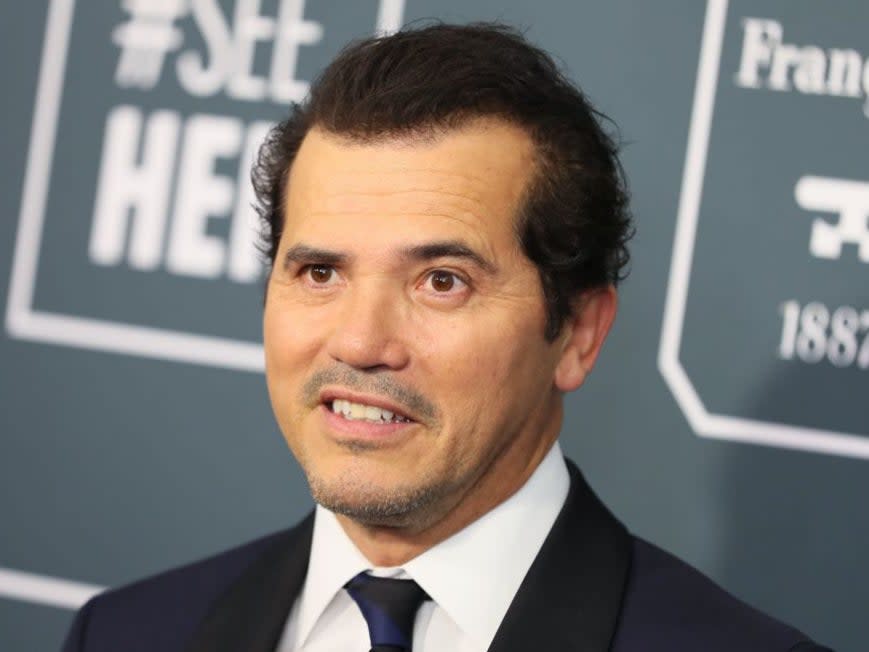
303	254
448	249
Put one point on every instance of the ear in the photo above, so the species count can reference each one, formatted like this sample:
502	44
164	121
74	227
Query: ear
583	336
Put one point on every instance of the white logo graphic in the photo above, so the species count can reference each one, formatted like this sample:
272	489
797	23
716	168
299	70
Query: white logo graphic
850	200
811	333
146	39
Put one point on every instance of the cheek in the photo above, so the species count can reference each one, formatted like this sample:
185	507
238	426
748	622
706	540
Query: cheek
288	333
290	344
478	366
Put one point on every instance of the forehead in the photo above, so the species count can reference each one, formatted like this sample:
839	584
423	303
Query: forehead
468	181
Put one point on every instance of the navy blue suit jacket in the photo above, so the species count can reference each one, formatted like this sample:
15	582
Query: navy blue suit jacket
593	587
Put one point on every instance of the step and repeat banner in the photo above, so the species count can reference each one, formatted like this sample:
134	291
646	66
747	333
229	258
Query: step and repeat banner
728	418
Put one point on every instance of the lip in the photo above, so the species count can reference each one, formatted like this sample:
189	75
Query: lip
327	395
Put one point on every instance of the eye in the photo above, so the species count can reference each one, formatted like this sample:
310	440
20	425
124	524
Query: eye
444	282
323	275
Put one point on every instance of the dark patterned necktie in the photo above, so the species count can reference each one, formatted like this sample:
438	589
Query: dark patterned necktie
389	607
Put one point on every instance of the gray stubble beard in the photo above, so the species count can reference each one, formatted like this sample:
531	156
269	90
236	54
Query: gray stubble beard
373	506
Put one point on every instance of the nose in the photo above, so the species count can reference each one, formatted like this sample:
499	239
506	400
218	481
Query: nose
368	332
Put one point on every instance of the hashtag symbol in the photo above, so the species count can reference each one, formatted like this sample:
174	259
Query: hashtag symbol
145	39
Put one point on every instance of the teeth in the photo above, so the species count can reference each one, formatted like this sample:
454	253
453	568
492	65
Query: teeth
372	414
360	411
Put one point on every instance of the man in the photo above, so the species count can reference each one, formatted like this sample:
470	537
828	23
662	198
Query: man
446	223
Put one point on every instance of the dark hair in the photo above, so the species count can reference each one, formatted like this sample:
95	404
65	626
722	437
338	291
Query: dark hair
574	224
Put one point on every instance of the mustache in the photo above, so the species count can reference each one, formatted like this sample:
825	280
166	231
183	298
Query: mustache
366	382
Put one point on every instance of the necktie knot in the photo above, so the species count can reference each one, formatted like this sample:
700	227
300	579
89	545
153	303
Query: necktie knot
389	607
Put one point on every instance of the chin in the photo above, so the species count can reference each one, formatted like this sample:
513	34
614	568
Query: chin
369	502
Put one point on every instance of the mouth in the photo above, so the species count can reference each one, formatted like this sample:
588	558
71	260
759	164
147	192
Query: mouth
362	412
373	410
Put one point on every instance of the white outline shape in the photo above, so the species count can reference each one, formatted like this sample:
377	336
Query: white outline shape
390	16
25	323
41	589
22	321
704	423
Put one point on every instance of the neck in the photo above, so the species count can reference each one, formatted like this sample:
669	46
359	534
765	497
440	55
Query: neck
504	476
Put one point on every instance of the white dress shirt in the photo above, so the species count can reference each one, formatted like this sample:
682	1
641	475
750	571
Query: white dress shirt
471	576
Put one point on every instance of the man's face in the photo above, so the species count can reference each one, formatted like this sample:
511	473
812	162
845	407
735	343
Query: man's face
403	327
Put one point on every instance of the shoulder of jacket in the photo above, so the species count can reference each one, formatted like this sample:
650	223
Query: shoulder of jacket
672	604
160	611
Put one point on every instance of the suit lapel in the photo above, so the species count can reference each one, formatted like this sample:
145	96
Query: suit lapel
571	597
251	614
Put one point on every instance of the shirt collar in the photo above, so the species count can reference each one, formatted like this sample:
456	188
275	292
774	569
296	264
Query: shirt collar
334	561
473	575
